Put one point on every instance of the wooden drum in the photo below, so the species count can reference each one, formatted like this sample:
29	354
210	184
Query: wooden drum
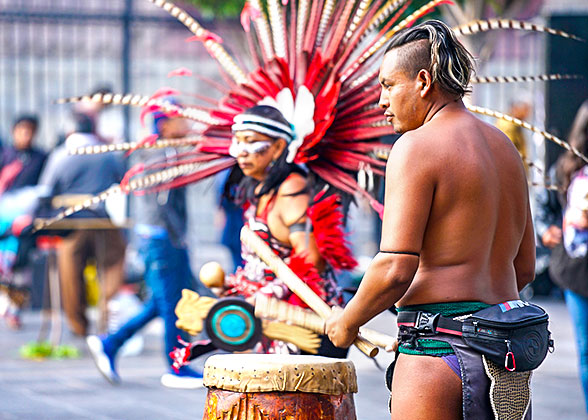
276	386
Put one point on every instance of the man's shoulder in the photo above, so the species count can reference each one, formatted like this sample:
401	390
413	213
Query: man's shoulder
415	145
409	140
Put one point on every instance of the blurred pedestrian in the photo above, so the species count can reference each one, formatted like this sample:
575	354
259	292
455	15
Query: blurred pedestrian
21	163
108	120
547	220
83	175
160	223
20	167
232	221
569	260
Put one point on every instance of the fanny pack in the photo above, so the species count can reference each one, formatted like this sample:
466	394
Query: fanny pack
513	333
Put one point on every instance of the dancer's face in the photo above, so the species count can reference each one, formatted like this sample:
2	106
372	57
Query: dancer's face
255	152
402	97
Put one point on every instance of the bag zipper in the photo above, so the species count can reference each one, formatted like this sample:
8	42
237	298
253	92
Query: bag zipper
504	325
499	336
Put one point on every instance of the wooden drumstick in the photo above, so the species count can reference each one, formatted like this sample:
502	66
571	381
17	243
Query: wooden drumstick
297	286
272	308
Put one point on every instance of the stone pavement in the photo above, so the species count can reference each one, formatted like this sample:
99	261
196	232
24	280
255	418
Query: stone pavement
73	389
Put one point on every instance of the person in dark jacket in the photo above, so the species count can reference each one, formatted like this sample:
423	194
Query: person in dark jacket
21	163
20	167
85	175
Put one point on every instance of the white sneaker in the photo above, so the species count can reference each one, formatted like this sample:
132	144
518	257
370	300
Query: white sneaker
103	361
171	380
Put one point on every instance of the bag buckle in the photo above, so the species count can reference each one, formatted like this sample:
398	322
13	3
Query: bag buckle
426	323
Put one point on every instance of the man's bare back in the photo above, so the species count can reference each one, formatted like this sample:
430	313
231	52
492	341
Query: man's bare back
457	225
477	217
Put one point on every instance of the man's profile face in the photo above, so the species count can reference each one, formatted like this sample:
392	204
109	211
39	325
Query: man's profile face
400	94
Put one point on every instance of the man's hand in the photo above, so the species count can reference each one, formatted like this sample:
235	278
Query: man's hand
551	237
338	332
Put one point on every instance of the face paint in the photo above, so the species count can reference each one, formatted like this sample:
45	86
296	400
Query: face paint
250	148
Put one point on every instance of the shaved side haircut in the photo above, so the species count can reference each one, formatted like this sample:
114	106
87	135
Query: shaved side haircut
432	46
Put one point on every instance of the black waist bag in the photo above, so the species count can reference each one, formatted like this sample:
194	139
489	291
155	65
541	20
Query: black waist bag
513	333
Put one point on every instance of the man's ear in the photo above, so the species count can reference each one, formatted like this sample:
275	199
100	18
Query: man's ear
424	82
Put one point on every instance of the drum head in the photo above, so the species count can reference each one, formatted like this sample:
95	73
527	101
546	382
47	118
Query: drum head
232	326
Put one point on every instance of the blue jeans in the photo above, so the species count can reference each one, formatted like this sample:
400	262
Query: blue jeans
578	308
167	272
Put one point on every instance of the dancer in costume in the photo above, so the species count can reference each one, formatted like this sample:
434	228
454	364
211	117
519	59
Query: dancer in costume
302	227
457	232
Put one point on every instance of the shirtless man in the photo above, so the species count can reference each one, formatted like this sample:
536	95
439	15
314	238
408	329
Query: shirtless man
457	224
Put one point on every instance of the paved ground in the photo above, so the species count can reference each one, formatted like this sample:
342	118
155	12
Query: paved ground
72	389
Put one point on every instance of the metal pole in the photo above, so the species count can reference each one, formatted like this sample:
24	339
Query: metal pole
126	62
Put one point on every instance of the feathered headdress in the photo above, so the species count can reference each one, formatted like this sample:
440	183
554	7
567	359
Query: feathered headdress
316	61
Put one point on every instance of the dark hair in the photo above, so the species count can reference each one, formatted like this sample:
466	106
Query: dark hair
27	119
240	188
102	90
267	112
569	163
432	46
84	123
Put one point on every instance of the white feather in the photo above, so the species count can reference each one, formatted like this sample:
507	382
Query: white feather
303	112
303	120
299	113
286	104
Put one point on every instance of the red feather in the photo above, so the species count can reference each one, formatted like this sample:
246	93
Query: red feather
369	96
182	71
248	14
196	176
356	65
351	161
165	91
147	110
350	45
206	36
308	273
148	140
327	222
358	122
339	32
124	183
312	26
362	133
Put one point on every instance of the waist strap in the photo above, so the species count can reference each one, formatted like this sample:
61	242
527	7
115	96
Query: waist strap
429	324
